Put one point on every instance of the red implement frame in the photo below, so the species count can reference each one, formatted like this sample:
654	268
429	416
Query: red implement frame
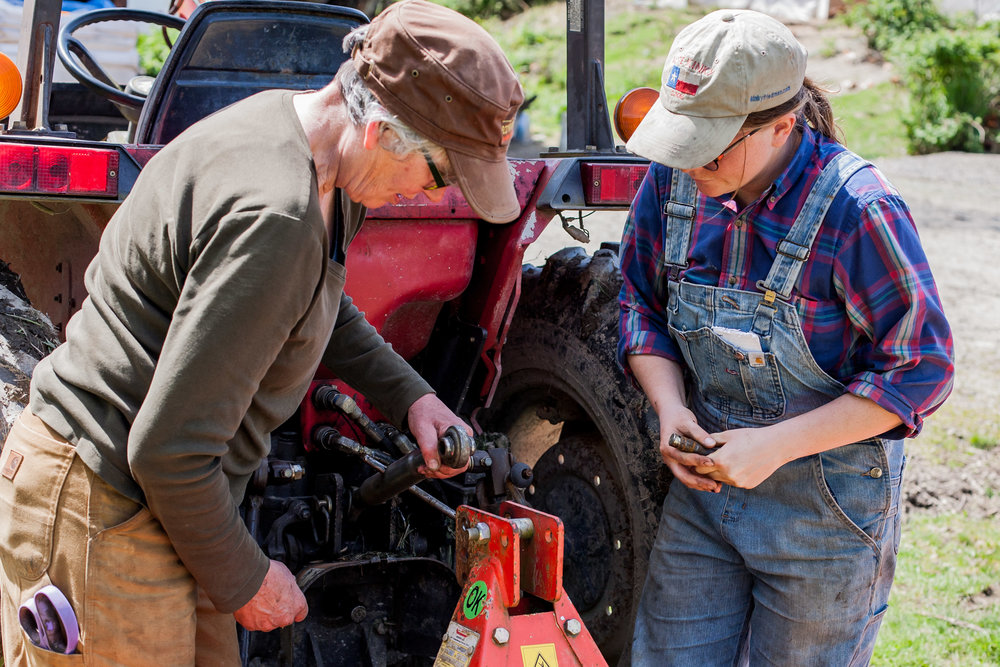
499	558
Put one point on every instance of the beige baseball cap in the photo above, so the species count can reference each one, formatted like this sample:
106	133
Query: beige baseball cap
720	69
446	77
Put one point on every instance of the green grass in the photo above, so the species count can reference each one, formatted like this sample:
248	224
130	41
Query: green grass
957	424
636	42
870	120
945	604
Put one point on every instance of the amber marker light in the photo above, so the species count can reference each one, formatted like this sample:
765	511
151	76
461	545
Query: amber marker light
10	86
632	108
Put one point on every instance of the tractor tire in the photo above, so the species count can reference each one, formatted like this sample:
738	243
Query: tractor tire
588	433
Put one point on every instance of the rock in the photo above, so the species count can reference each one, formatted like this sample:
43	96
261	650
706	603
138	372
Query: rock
26	335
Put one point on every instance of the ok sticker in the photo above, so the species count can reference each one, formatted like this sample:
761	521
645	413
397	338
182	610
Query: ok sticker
475	600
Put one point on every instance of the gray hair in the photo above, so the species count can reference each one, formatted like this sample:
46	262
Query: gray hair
363	108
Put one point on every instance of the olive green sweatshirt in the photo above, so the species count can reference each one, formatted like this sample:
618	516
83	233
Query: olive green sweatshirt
212	301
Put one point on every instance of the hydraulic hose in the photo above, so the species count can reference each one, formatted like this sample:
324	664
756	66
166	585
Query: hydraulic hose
454	450
326	397
455	445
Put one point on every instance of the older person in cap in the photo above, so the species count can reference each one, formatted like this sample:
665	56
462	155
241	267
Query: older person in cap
778	309
216	294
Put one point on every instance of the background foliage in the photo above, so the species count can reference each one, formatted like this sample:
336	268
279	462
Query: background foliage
885	22
951	67
949	97
636	42
153	49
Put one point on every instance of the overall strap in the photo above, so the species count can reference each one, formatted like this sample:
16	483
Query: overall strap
794	249
680	211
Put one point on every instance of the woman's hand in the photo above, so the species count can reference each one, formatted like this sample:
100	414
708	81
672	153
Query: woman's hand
663	381
749	457
687	467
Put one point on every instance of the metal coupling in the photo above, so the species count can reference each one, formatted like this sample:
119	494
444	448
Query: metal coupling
523	527
455	447
478	533
286	471
689	445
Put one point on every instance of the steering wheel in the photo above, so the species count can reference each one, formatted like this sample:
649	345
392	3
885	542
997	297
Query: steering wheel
82	65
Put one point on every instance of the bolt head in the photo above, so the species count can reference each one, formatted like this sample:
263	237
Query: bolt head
478	533
501	636
573	627
358	614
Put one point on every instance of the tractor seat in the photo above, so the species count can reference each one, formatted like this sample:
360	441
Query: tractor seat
231	49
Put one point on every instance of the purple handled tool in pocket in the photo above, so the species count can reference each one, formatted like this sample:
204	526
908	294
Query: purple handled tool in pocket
48	620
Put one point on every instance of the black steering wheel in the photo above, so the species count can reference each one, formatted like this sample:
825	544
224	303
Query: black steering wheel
82	65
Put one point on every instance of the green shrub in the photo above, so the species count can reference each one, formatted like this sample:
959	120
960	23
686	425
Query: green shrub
886	22
153	49
486	9
954	83
951	69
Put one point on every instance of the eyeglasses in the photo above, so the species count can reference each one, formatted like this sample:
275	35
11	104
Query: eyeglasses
439	181
714	164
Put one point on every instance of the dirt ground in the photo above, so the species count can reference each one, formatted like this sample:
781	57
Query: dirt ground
952	196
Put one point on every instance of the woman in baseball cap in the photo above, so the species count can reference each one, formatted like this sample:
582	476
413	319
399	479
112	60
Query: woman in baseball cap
777	308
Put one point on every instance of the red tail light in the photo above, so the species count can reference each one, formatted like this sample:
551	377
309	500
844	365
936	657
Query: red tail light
17	167
59	170
608	184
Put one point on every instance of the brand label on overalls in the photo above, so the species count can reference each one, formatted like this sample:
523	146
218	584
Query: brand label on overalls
13	463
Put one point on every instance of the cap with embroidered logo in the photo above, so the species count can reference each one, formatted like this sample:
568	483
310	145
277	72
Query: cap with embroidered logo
720	69
446	77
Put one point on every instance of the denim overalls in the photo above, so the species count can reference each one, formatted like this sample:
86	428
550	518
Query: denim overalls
796	571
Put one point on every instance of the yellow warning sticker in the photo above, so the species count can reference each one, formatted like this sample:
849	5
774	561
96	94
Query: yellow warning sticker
539	655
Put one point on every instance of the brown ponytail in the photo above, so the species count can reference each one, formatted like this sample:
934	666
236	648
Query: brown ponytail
811	106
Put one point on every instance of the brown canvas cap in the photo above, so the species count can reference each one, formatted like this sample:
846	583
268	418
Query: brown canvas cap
446	77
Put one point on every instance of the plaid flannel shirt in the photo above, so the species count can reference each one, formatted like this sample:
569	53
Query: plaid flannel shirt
868	304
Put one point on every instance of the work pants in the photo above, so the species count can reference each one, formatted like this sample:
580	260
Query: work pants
60	524
796	571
